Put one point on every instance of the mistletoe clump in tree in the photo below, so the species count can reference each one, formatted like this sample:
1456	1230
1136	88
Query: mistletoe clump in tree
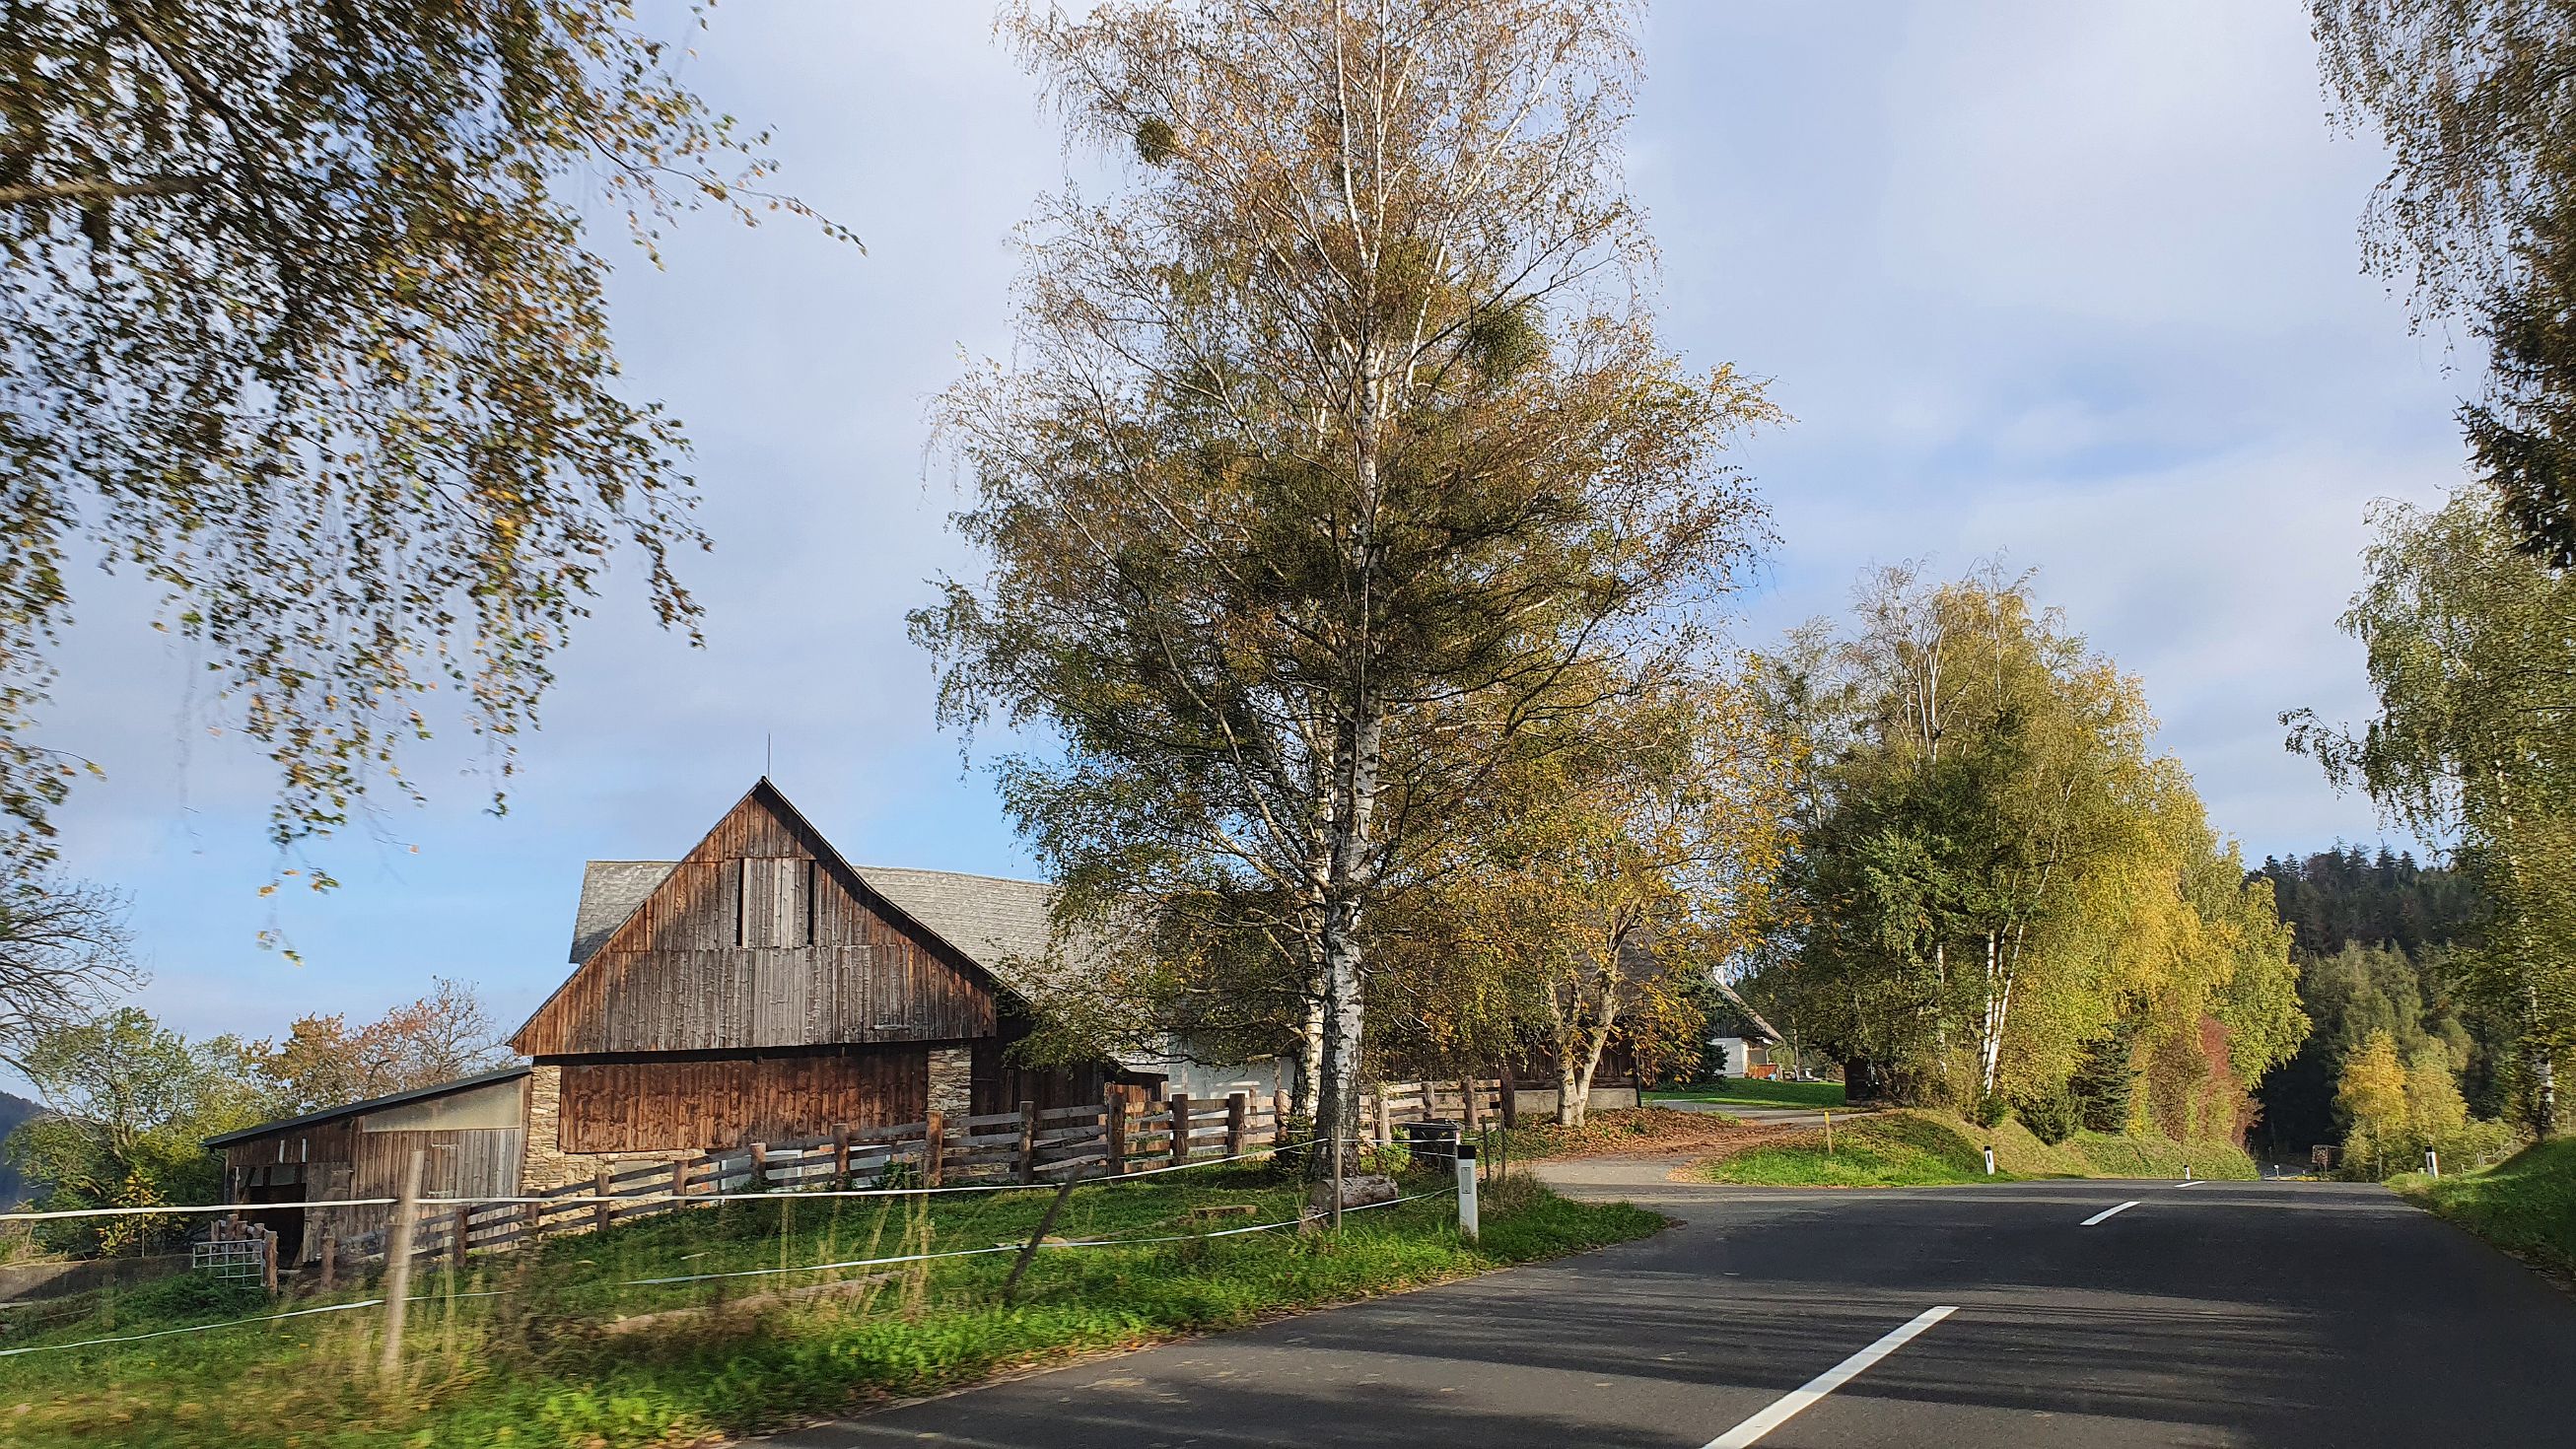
1334	446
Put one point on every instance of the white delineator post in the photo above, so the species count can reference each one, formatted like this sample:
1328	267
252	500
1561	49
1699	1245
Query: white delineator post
2432	1162
1990	1162
1467	1191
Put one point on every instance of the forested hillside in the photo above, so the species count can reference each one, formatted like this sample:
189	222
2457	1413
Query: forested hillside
2377	942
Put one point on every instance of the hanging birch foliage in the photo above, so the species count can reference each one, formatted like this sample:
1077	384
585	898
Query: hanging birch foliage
298	322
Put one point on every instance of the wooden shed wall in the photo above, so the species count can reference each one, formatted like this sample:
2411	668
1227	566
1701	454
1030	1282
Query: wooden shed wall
710	1103
342	1159
758	940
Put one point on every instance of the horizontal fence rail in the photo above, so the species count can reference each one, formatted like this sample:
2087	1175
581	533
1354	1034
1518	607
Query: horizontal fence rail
1032	1146
1122	1135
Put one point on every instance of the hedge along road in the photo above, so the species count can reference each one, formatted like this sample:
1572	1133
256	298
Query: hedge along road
2267	1313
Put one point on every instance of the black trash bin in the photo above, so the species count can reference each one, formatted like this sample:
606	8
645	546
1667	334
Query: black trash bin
1434	1144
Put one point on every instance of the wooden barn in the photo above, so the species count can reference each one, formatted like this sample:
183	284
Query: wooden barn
761	988
470	1133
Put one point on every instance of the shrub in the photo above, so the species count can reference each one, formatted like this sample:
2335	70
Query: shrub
2052	1116
1989	1111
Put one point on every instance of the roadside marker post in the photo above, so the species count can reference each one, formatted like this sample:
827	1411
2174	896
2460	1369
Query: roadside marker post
2186	1172
1467	1191
1990	1162
2432	1162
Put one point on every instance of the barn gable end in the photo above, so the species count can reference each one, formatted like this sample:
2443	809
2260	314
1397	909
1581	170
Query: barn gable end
761	938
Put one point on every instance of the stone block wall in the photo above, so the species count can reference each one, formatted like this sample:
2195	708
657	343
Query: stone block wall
952	1081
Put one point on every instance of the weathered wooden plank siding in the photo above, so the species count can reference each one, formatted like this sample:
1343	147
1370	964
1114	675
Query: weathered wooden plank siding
755	941
716	1103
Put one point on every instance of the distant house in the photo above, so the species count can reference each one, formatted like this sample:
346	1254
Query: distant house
1743	1043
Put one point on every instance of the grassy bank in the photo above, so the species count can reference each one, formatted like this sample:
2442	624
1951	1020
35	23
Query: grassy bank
569	1350
1928	1149
1619	1131
2525	1204
1894	1149
1755	1092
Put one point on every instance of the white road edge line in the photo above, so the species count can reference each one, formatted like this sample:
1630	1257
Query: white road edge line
2109	1212
2192	1182
1789	1405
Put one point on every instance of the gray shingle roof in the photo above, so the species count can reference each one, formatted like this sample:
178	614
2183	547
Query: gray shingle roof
610	892
1001	923
996	921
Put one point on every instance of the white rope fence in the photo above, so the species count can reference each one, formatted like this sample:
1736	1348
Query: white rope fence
743	1273
1448	1151
636	1198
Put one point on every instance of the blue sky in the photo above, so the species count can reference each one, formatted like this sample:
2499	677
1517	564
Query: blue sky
2076	285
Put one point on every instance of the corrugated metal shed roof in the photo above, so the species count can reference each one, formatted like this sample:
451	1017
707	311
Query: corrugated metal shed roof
390	1099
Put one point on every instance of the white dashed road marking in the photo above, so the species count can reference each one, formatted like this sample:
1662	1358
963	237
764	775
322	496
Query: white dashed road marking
1788	1405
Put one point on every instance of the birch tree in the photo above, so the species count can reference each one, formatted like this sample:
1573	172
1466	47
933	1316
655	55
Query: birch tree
2472	655
1335	440
1994	869
2476	101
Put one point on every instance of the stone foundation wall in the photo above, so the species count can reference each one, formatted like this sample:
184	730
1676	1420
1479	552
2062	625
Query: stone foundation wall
952	1081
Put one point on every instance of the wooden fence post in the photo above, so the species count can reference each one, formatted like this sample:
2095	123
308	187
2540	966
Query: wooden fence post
532	1218
330	1262
1467	1097
463	1229
1279	1105
1385	1124
1180	1103
681	1167
398	1268
759	1167
1235	1107
934	1148
599	1210
1115	1144
841	1156
1508	1090
1028	1142
268	1260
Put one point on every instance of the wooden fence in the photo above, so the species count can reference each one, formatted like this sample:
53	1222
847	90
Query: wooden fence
1119	1136
1116	1137
1470	1104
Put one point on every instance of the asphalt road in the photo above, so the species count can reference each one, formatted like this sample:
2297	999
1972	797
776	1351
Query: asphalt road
2273	1313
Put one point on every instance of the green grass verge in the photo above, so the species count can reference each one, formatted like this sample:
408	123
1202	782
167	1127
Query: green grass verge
1914	1148
2525	1204
1755	1092
540	1363
1893	1149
